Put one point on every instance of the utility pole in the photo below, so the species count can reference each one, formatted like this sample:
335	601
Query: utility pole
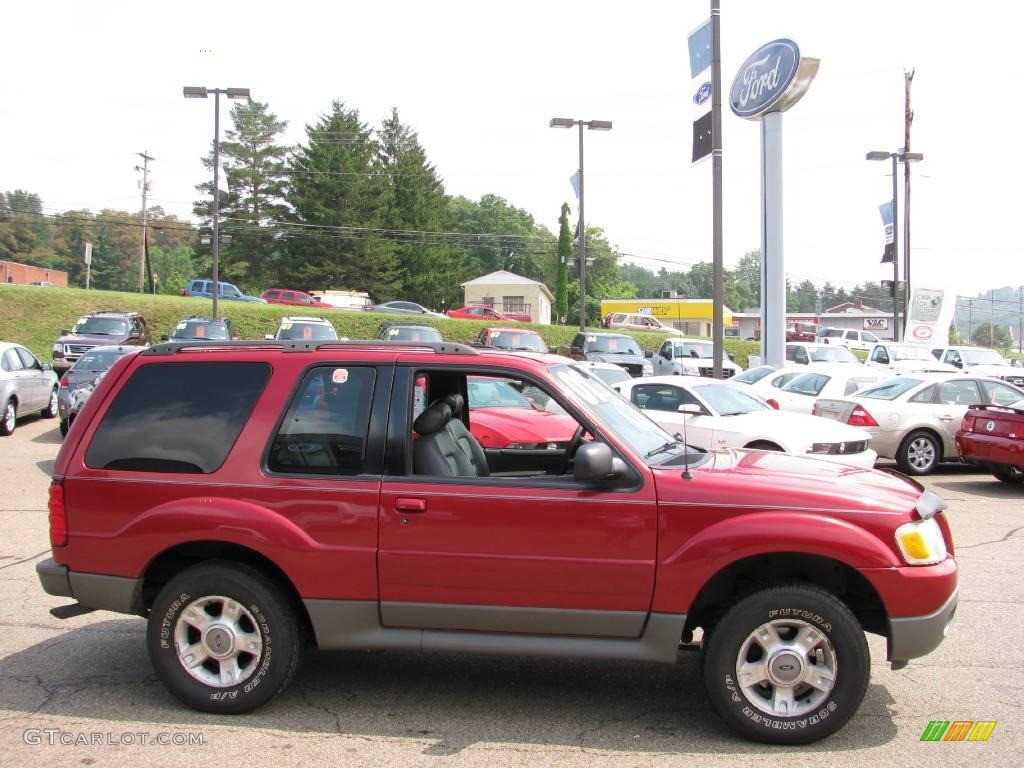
992	319
1020	321
908	118
970	321
145	188
717	293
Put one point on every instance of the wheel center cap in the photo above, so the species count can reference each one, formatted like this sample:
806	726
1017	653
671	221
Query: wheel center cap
785	668
219	641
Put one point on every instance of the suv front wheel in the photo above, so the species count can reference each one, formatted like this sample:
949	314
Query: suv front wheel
787	665
223	638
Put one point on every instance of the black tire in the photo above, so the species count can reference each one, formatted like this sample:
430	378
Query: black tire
793	608
8	418
1008	474
911	455
50	411
266	614
64	426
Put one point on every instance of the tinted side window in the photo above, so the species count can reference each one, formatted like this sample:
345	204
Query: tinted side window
325	429
27	358
177	417
11	361
999	394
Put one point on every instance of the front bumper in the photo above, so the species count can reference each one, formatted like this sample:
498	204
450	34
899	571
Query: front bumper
914	636
93	590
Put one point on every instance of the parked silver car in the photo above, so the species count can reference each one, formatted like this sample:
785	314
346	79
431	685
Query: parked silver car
27	386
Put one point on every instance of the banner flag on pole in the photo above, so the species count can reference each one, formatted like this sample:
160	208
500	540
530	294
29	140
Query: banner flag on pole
575	181
886	210
699	44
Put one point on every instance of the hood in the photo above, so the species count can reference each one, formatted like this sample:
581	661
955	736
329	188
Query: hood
773	480
497	427
995	371
615	359
923	366
96	340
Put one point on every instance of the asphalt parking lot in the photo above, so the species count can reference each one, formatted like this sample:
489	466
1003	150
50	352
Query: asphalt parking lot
82	692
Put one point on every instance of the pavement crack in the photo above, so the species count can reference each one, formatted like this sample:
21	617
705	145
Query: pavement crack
19	562
985	543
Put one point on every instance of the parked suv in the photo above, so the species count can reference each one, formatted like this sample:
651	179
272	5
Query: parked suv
204	289
399	331
294	298
690	357
247	495
103	328
302	327
616	348
194	327
981	361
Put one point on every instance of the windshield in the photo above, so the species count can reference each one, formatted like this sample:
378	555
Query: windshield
101	326
753	375
520	340
983	357
200	330
615	413
413	334
729	401
694	349
832	333
97	361
614	345
306	331
807	383
833	355
891	389
494	393
910	352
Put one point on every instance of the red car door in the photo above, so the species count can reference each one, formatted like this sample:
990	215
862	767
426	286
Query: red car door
532	555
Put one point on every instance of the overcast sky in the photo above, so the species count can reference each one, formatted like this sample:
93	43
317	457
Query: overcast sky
87	85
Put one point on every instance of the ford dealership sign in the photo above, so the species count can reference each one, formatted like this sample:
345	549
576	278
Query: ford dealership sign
703	93
771	80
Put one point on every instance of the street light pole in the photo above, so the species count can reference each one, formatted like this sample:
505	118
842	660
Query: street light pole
593	125
191	92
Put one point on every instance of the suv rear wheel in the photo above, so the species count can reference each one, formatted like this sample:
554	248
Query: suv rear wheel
787	665
210	635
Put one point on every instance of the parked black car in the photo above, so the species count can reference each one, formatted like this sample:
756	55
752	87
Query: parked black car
102	328
408	332
78	383
616	348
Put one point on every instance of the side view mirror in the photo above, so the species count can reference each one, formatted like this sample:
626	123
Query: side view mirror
649	354
165	337
958	364
666	353
690	409
269	337
65	331
135	335
575	349
553	350
594	463
46	367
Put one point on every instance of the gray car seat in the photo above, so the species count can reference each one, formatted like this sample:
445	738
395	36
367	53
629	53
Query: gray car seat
464	438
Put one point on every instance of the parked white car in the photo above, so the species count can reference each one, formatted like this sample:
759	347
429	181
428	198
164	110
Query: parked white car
689	357
914	418
901	358
732	417
799	393
638	322
980	361
851	339
804	353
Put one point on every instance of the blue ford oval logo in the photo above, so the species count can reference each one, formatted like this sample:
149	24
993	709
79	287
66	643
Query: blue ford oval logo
703	93
764	78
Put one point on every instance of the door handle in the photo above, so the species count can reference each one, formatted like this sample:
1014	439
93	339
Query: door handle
945	417
410	505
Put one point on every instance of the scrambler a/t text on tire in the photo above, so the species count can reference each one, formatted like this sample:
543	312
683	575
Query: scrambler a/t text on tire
223	638
787	665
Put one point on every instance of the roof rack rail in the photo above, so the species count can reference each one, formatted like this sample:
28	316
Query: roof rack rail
296	345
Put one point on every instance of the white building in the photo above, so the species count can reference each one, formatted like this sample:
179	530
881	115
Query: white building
507	292
851	316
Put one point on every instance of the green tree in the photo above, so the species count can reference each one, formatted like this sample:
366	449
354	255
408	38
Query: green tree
255	173
748	280
173	267
415	205
506	238
339	197
564	254
989	335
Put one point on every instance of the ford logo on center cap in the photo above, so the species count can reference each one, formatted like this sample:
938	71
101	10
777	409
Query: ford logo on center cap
703	93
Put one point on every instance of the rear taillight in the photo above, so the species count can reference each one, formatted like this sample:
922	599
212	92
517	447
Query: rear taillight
968	423
861	418
58	516
773	403
64	381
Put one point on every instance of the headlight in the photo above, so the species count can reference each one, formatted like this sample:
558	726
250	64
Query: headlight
921	542
691	370
839	449
648	368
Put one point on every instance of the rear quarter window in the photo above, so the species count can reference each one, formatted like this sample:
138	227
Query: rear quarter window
177	417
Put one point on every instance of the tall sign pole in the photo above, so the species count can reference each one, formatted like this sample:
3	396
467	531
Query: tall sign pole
145	188
717	298
772	80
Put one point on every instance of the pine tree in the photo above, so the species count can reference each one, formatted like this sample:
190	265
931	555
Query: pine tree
339	195
254	170
564	252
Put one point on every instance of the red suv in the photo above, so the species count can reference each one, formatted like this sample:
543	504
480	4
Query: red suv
335	490
290	297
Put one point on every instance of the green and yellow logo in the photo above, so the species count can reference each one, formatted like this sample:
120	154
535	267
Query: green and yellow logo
958	730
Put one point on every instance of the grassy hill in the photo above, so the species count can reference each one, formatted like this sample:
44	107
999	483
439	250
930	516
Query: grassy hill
34	316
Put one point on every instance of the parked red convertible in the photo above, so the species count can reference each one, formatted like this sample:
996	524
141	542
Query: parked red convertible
480	312
992	436
250	499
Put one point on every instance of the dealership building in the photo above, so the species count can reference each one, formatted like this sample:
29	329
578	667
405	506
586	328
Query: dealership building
854	316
